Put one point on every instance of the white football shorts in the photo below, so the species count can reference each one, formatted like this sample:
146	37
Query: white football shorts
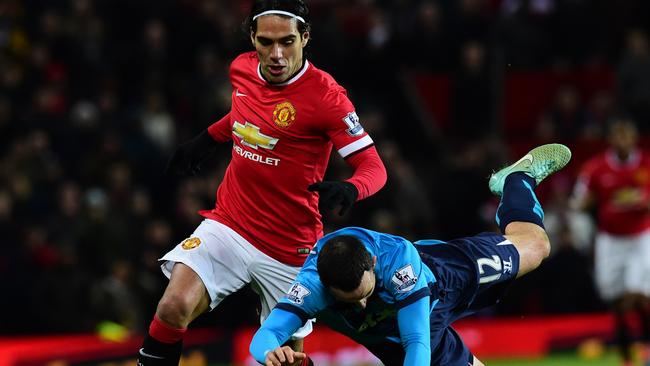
226	262
622	264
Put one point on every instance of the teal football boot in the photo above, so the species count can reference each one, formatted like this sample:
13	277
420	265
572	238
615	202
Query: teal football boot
538	163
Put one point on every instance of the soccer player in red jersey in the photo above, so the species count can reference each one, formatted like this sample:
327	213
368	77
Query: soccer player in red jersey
285	118
617	183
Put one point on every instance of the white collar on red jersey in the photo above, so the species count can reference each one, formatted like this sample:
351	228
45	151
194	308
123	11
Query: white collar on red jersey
290	81
616	162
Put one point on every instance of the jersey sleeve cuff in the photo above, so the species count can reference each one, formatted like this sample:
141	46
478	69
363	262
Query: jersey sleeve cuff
294	310
417	295
355	146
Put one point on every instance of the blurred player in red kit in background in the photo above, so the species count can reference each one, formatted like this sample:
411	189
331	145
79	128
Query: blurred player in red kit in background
286	116
617	184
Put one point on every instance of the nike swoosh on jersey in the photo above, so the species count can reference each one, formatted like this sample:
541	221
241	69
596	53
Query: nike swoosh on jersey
238	94
143	353
505	242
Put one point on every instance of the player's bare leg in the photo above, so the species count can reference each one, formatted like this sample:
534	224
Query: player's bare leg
531	242
185	298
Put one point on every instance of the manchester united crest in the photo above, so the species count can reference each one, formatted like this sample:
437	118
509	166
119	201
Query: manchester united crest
284	114
190	243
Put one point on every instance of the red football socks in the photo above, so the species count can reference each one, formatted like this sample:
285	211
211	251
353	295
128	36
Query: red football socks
165	333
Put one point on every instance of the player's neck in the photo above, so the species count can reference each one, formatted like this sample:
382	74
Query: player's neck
625	157
298	71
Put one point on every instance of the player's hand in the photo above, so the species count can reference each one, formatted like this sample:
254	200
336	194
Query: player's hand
334	193
188	157
284	356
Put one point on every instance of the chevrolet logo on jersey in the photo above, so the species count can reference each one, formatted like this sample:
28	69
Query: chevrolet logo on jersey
251	136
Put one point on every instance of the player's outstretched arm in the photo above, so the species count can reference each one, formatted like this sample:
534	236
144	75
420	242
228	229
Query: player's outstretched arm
275	331
368	178
414	329
369	172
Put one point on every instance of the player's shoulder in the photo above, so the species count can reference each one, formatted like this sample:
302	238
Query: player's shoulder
244	59
307	289
382	245
645	156
376	241
324	78
244	64
324	82
353	230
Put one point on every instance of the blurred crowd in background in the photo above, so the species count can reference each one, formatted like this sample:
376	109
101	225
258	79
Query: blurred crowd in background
95	95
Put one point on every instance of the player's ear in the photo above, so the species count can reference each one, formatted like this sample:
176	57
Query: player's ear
374	261
305	39
252	37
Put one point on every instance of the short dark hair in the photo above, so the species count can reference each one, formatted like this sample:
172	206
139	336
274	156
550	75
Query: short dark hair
342	261
296	7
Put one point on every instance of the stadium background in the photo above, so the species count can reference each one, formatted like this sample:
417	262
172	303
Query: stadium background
95	94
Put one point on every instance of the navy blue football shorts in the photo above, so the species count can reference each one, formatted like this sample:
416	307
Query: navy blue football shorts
472	273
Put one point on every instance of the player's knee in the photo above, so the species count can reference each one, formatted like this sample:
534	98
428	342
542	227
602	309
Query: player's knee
541	246
544	246
533	245
175	310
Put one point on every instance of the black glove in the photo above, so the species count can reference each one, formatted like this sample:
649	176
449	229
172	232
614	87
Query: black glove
188	157
332	193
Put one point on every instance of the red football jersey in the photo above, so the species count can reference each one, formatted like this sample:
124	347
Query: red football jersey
621	190
282	139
